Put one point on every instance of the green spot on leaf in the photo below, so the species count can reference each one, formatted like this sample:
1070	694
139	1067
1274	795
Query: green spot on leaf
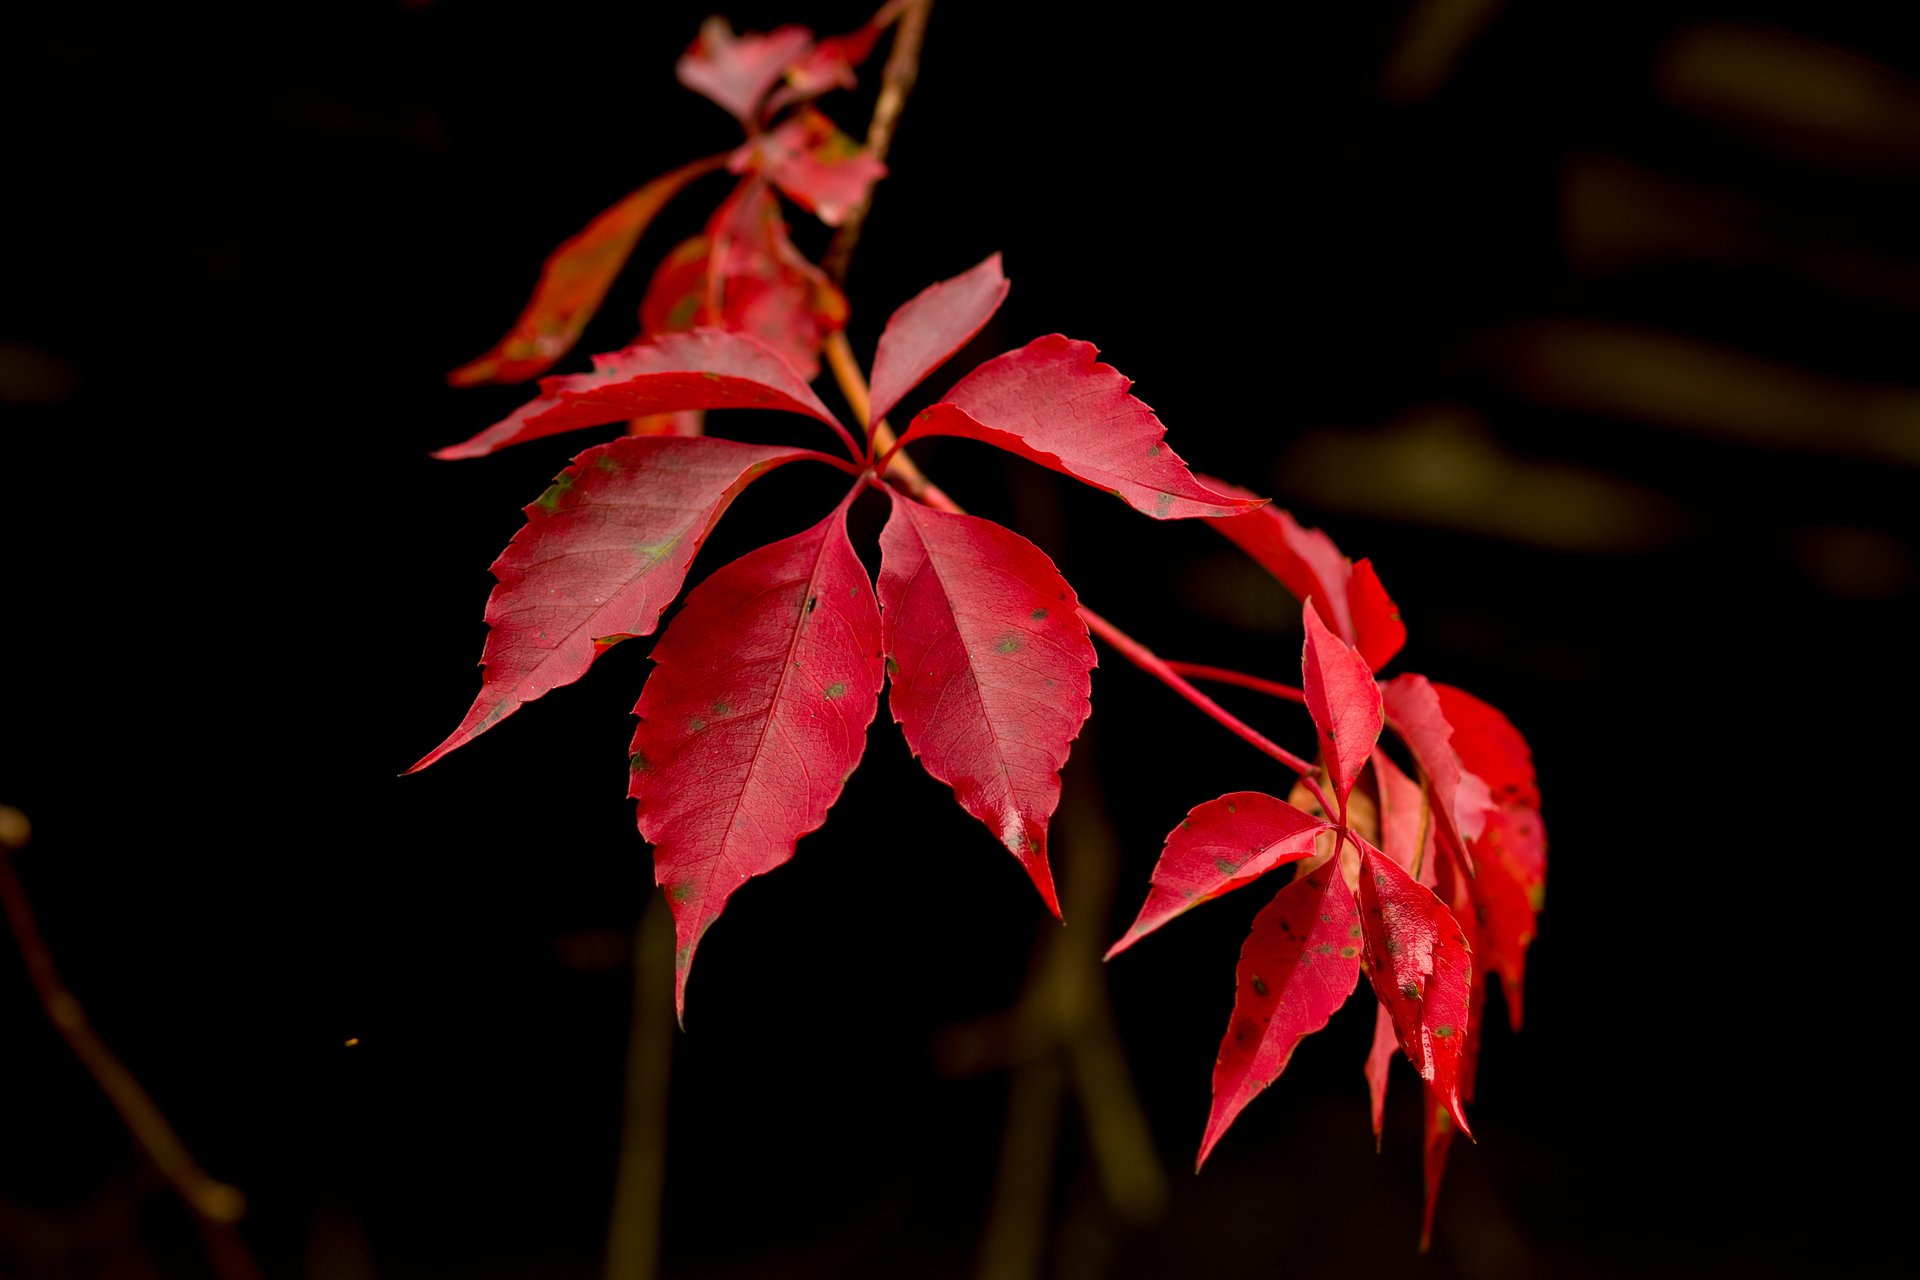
837	689
1443	1032
1410	990
549	501
638	762
1348	953
722	707
1225	866
680	892
1007	644
893	668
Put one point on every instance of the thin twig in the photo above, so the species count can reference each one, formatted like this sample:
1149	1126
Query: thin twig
216	1204
633	1239
1224	675
896	82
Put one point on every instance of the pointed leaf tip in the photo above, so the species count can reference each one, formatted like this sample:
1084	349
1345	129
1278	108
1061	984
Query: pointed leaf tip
603	552
1052	402
1300	963
1222	845
990	667
755	714
1343	700
930	328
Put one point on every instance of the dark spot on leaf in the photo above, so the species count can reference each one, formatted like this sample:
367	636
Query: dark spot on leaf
812	601
1007	644
1353	931
893	668
1038	614
1393	947
680	892
1410	990
1225	866
638	762
722	707
1259	985
1231	809
1163	504
1443	1032
1348	953
696	724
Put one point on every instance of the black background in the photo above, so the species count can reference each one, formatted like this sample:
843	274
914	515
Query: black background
242	248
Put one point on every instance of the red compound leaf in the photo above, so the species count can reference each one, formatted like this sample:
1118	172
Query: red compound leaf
739	71
1421	965
1222	845
928	330
989	663
753	719
573	282
705	369
1053	403
604	551
1343	701
1299	965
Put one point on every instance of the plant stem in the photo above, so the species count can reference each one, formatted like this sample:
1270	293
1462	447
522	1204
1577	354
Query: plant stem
216	1205
896	82
633	1238
1223	675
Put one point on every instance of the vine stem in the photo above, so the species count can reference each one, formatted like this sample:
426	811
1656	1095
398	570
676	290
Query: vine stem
896	83
217	1206
853	385
1224	675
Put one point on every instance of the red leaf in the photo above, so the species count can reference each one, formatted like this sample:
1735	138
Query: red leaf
759	284
573	281
989	662
1052	403
753	720
1459	798
1490	746
1349	596
676	298
1421	966
829	66
705	369
1507	893
820	168
1377	629
739	71
1222	845
927	331
1406	819
1380	1066
1299	964
1343	701
605	549
1439	1116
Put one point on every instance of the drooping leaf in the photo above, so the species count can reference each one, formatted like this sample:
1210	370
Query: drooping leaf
755	715
1378	632
705	369
1421	965
1460	799
1299	964
819	168
573	281
1380	1067
604	551
739	71
1343	701
1489	745
1349	596
758	283
1507	892
1221	846
989	662
1439	1120
1053	403
926	331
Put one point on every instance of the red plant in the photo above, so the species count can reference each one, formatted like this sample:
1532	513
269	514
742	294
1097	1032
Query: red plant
769	676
